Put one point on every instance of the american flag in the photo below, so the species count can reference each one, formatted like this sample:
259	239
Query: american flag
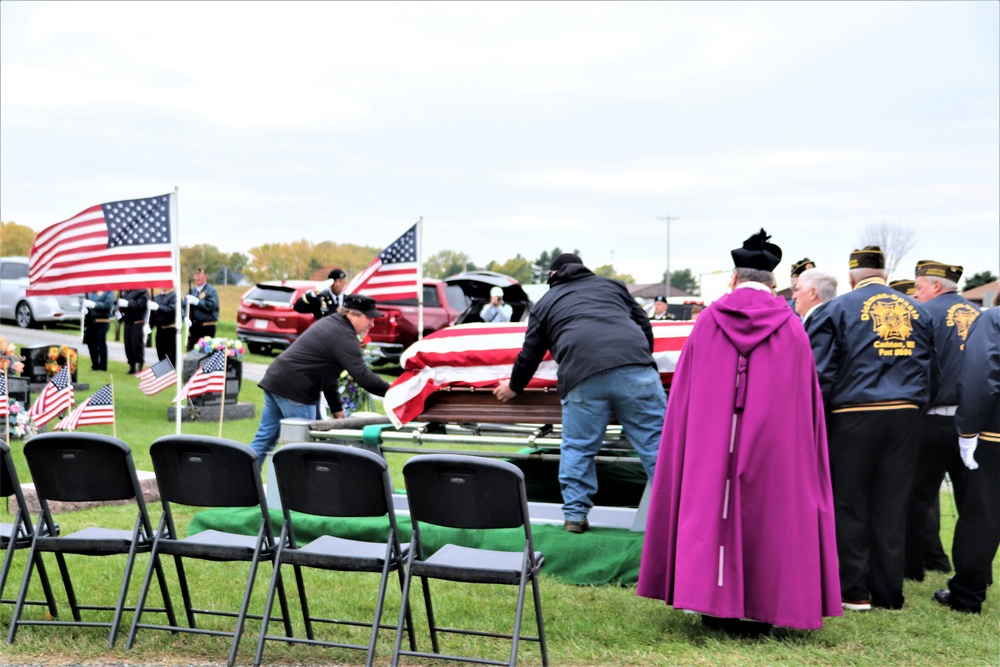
4	407
209	379
157	377
98	409
119	245
481	355
56	397
393	274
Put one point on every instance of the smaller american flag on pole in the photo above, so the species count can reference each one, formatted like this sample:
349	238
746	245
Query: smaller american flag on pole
98	409
56	397
393	274
209	379
4	407
157	377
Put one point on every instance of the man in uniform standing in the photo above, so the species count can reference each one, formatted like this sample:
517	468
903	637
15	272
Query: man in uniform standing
96	322
203	309
132	305
659	309
977	533
325	298
163	314
950	318
873	353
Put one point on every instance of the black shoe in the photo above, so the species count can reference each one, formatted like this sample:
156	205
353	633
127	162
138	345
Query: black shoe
131	371
576	526
943	597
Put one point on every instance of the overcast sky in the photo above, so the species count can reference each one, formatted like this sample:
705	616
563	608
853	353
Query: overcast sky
513	128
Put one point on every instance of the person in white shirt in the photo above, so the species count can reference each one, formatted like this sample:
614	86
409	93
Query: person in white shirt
496	310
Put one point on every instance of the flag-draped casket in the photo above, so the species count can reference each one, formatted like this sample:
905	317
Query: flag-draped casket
481	355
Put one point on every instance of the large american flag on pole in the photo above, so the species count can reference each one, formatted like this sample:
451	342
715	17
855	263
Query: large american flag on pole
56	397
119	245
481	355
157	377
393	274
98	409
4	403
209	379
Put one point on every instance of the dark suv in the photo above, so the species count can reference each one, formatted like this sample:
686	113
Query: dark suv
265	318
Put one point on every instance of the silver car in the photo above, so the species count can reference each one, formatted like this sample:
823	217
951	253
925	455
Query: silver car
31	311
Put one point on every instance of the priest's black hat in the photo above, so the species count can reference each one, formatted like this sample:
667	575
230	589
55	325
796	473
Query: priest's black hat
757	253
869	257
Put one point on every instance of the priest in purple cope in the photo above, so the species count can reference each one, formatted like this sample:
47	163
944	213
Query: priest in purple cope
741	519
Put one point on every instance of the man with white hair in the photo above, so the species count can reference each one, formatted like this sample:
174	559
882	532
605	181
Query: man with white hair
812	289
873	352
951	317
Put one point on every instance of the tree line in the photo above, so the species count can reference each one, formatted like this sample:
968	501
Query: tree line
309	260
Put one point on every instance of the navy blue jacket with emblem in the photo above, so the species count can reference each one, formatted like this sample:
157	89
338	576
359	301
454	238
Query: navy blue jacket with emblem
590	323
873	348
951	316
979	380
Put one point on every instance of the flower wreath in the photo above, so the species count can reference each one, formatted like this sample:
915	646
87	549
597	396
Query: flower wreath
234	348
58	357
9	359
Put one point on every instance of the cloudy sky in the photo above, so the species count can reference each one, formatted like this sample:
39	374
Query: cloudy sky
513	128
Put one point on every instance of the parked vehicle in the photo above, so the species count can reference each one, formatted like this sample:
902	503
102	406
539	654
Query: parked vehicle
454	300
32	311
265	319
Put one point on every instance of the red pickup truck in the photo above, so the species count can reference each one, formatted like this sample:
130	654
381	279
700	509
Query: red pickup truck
454	300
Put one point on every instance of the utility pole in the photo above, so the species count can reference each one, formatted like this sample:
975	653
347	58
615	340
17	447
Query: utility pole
666	278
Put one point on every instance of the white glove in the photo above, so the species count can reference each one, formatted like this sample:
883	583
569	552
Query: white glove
146	329
967	449
187	322
152	305
123	303
84	311
325	285
192	299
87	303
118	314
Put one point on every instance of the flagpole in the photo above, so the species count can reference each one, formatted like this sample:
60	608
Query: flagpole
222	401
114	421
420	278
175	236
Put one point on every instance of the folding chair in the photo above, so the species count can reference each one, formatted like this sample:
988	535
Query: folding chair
472	493
201	471
18	535
84	467
323	480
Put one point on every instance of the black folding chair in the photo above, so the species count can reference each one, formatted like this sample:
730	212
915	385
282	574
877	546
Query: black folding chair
84	467
323	480
471	493
200	471
18	535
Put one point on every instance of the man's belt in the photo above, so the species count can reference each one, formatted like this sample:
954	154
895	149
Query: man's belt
943	410
203	324
139	322
166	326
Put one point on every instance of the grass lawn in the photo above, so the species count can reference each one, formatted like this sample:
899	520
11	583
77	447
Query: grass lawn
606	625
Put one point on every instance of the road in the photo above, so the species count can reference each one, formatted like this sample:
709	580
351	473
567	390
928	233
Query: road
116	351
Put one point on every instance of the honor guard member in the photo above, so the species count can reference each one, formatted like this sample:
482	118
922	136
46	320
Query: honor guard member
873	355
659	309
977	533
203	309
950	316
904	286
325	298
163	316
98	307
132	305
798	267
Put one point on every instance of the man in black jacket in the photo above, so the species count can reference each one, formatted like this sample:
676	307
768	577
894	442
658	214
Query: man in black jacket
313	363
603	342
132	305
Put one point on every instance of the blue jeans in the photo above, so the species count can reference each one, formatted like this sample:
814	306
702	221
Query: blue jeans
275	409
639	402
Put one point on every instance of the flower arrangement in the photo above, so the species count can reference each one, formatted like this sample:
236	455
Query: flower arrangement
234	348
58	357
352	397
19	422
10	361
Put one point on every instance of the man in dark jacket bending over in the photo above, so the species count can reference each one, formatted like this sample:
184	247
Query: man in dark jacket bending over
313	363
603	342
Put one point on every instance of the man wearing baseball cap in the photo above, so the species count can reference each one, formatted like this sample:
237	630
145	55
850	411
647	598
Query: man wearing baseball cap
496	310
313	364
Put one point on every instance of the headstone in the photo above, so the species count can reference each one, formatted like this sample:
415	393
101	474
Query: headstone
234	378
34	363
